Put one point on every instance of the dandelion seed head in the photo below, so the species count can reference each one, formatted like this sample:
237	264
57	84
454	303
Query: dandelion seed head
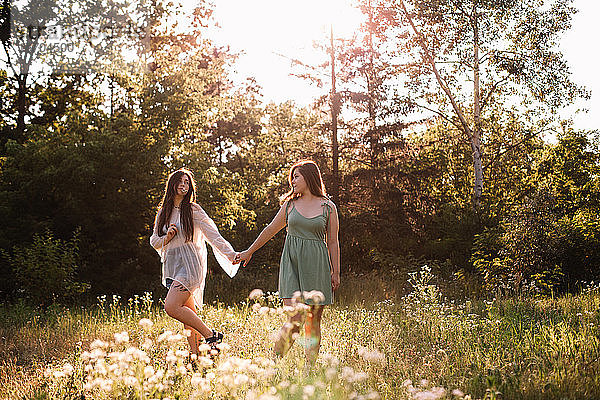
263	310
68	369
148	344
98	344
224	347
164	336
256	294
122	337
146	324
316	296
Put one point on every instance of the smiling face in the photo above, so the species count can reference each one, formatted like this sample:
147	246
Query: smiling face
183	186
298	183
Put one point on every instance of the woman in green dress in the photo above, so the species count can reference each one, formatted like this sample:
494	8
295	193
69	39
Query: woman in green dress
310	261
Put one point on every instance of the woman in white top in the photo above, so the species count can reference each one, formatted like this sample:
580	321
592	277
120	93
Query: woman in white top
181	228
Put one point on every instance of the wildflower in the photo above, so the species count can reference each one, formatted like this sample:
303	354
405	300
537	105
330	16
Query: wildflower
148	371
316	296
98	344
373	395
106	385
433	394
122	337
175	338
240	379
289	310
360	376
297	297
58	374
67	369
147	345
263	310
146	324
203	348
330	373
347	374
309	390
130	380
256	294
164	336
371	356
171	357
223	347
182	353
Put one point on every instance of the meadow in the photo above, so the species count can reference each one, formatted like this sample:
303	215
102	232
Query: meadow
415	345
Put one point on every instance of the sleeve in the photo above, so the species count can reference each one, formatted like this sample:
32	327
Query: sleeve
222	249
157	241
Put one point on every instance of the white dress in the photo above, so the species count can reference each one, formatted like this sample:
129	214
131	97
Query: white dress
185	262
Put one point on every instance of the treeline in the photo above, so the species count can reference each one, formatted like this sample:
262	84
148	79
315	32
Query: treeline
441	154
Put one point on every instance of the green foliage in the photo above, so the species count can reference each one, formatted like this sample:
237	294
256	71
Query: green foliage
45	270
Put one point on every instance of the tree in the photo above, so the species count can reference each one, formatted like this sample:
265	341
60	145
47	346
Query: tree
478	53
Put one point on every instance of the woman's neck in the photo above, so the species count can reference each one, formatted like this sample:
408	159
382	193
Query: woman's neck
307	196
177	201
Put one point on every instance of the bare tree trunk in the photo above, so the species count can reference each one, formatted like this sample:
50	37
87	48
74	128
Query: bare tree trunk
476	137
19	135
335	105
374	139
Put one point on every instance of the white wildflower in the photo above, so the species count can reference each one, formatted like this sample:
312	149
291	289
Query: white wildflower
309	390
122	337
67	369
256	294
145	323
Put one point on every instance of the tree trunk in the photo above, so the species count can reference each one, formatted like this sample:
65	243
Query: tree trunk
476	136
335	106
19	135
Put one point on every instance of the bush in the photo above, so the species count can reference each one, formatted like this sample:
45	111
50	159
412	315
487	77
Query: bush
524	252
45	270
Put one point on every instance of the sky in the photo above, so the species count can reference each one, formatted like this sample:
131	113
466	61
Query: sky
271	32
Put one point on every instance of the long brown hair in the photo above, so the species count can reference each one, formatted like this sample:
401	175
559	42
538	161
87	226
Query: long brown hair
185	208
312	176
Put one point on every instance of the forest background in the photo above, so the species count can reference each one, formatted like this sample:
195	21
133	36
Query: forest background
440	142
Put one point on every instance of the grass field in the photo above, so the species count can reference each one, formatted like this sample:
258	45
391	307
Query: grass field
417	346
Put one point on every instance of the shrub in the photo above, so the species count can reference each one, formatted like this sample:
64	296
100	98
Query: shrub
45	270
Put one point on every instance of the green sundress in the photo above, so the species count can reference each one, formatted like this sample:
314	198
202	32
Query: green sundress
305	263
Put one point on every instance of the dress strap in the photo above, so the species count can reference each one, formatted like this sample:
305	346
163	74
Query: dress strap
326	211
287	206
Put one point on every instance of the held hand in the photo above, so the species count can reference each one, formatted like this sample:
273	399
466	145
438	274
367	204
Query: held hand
243	258
335	280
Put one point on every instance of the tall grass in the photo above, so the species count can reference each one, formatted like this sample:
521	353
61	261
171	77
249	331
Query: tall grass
419	346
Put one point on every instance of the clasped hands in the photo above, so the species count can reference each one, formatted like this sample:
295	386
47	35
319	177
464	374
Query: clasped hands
242	258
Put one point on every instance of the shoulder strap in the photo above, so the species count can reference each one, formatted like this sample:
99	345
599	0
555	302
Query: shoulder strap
326	211
287	206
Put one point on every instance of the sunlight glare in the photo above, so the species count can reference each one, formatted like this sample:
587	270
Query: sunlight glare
272	32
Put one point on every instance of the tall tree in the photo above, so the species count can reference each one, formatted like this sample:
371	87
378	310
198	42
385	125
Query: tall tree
477	52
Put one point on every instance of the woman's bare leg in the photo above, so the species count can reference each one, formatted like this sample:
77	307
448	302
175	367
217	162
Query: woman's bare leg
285	339
177	306
195	337
312	333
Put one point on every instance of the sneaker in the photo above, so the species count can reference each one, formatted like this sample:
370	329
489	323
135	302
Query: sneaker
213	341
